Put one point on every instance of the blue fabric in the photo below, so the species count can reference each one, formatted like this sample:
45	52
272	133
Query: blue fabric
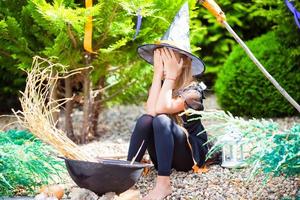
294	11
138	23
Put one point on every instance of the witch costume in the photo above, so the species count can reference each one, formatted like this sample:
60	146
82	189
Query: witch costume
169	144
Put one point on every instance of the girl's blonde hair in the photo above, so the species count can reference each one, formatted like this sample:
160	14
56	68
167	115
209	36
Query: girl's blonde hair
186	77
183	80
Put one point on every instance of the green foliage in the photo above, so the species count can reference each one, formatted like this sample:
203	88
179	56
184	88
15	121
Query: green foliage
213	42
242	88
26	163
117	60
279	53
284	24
249	19
270	150
56	28
63	23
17	44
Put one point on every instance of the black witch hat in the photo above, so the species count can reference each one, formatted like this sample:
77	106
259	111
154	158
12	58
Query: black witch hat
177	39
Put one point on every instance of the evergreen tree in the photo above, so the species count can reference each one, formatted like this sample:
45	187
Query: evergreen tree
17	46
56	30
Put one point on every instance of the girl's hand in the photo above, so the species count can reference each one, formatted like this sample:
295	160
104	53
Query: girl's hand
158	64
172	66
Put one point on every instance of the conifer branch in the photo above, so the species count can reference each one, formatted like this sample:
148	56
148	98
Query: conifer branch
71	35
105	33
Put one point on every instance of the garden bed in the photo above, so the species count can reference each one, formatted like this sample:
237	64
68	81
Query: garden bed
116	125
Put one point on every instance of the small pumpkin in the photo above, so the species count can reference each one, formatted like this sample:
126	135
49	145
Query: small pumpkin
53	191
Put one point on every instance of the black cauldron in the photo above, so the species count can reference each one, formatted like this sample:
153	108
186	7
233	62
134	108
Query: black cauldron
105	176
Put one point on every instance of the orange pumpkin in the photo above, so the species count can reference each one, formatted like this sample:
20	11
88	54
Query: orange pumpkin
53	190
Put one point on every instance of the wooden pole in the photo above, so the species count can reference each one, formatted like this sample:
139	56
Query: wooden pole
261	67
213	7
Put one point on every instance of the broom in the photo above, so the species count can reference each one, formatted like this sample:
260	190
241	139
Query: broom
38	107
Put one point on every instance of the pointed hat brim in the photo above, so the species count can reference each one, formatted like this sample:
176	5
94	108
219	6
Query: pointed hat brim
146	52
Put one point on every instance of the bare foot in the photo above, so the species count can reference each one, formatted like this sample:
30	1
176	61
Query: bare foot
161	189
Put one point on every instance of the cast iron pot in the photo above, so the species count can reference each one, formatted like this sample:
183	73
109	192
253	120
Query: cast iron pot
106	176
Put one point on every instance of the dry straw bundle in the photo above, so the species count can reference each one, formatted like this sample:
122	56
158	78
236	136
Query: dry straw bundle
38	108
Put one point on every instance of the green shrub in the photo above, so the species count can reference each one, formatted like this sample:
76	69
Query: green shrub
214	42
25	163
242	89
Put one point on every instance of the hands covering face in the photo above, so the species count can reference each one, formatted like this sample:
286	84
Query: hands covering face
158	64
165	60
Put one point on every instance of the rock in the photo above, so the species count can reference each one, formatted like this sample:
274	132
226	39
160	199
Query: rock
129	195
107	196
41	196
82	194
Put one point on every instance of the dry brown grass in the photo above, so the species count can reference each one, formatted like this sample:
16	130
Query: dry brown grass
38	108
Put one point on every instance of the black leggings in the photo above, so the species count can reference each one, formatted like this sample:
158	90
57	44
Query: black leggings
165	141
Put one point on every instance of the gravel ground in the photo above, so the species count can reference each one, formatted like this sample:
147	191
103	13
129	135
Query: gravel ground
218	183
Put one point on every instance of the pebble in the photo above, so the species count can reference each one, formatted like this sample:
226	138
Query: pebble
218	183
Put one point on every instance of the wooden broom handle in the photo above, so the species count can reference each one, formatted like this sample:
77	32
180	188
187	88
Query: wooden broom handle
214	8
